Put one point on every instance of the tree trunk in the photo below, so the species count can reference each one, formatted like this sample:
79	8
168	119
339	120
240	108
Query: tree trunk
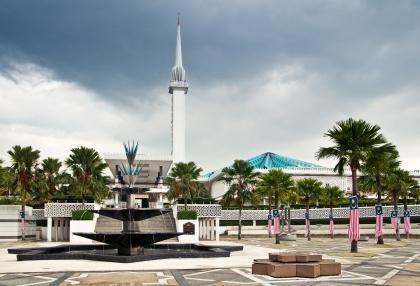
308	228
240	223
397	229
269	209
331	213
407	235
282	218
289	220
276	201
379	202
353	247
23	221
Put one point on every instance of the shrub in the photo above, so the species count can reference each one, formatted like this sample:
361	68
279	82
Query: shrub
82	215
9	201
187	214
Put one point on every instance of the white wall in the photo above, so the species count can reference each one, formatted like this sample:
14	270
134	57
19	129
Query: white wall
81	226
218	189
10	223
187	238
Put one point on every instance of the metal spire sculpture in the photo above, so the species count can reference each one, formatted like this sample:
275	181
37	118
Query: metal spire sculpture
178	71
131	171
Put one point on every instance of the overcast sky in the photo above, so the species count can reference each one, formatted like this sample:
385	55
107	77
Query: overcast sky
264	75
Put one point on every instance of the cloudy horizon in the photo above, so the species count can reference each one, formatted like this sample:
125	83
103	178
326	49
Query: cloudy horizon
264	76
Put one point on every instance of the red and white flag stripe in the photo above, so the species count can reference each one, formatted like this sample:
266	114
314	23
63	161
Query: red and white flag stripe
407	224
354	228
276	225
394	222
331	227
270	226
379	226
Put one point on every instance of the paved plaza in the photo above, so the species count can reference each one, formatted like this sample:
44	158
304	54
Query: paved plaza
395	263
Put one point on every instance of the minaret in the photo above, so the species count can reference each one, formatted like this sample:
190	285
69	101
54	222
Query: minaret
178	87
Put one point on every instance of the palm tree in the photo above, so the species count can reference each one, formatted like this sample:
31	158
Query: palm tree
379	162
398	184
4	178
331	195
241	180
24	164
414	192
264	190
277	186
87	167
353	141
309	191
49	180
182	181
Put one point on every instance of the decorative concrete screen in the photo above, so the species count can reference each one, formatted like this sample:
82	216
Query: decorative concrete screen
65	209
322	213
203	210
38	214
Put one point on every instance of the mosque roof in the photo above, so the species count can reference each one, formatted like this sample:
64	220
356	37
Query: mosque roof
271	160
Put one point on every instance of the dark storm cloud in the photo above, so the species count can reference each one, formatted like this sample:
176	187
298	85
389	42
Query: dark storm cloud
121	47
282	70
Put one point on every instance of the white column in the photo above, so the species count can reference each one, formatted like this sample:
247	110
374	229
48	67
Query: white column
178	124
212	229
116	199
49	228
254	223
208	229
217	228
55	229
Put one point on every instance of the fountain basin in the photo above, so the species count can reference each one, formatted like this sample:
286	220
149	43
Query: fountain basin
131	243
102	252
132	214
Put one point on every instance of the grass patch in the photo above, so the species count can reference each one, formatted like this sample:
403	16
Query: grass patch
187	214
82	215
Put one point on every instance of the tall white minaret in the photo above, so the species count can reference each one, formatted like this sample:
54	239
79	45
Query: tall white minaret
178	87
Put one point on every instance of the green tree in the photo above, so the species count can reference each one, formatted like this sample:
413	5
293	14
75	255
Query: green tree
49	179
309	191
87	177
353	141
379	163
264	190
241	180
4	179
277	187
331	195
398	184
23	169
183	182
414	192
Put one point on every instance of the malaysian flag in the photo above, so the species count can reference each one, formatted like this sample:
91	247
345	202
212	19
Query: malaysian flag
354	228
270	223
379	221
394	219
276	219
331	228
307	223
407	224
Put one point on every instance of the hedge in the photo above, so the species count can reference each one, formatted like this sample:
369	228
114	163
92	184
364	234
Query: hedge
187	214
82	215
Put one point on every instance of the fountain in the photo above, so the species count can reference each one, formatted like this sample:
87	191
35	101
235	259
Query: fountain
140	239
141	228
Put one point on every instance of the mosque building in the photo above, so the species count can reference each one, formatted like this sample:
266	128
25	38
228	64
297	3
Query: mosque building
149	184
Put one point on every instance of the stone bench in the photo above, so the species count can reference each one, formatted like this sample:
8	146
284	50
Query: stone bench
296	264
